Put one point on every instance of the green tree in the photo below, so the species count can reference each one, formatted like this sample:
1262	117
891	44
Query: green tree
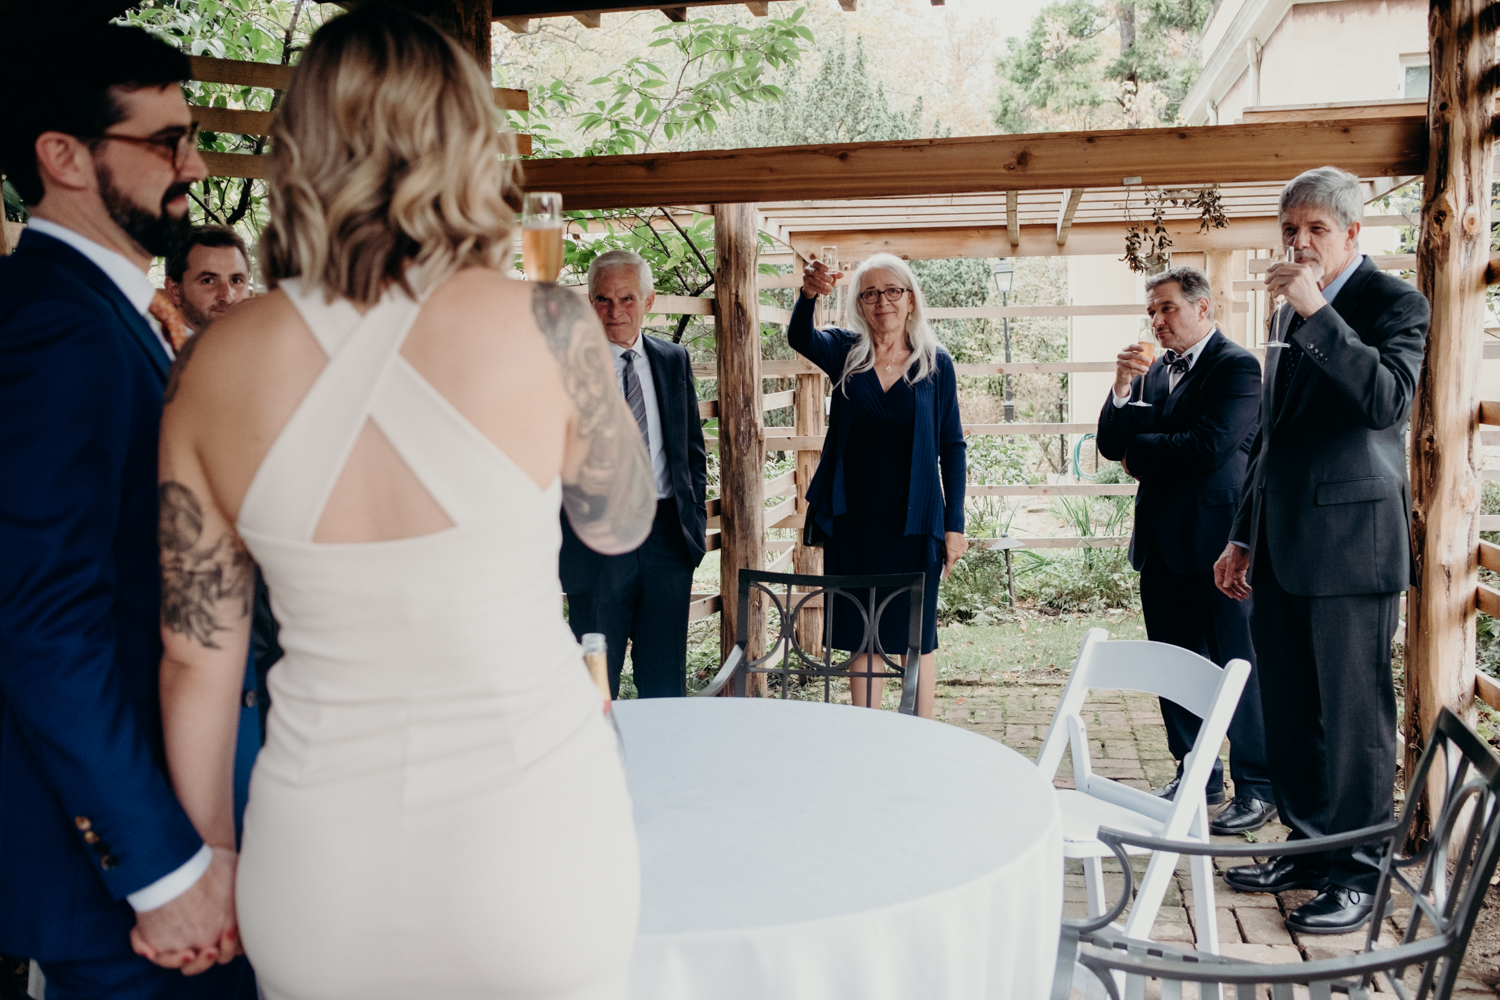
1084	65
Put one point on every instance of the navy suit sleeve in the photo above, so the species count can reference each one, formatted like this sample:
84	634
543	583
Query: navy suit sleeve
1118	424
1378	378
952	451
697	455
825	348
1229	416
65	410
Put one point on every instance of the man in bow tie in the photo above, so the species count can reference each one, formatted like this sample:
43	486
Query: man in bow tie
1187	439
1322	535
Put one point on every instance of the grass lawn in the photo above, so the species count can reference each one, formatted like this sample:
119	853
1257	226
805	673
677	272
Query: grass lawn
1029	647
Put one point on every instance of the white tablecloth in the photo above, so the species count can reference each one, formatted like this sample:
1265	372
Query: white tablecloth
795	850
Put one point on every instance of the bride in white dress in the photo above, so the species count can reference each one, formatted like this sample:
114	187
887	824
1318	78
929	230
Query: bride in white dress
439	810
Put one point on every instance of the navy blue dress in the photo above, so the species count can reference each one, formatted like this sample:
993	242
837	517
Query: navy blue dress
871	536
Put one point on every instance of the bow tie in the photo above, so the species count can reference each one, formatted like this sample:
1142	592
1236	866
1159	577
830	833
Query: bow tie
1178	363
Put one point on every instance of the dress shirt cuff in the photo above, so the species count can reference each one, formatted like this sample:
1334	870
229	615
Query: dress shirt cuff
174	884
1243	545
1117	399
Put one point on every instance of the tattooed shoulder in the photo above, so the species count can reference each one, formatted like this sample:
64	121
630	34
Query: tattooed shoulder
197	578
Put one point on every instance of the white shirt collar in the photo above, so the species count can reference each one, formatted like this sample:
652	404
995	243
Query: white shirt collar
1192	352
129	279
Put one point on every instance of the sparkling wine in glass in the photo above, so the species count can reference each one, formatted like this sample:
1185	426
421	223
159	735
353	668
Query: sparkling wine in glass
542	236
1278	329
1148	354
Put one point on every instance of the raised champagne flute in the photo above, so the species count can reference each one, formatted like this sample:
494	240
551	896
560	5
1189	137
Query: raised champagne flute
1278	329
1148	353
542	236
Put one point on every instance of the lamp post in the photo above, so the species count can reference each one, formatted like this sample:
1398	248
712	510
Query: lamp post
1005	275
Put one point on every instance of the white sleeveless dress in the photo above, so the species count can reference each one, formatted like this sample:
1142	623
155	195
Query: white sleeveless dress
440	809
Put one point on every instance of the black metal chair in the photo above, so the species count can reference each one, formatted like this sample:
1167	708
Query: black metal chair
796	661
1465	838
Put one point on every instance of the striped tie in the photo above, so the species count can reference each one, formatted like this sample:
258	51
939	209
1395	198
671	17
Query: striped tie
633	395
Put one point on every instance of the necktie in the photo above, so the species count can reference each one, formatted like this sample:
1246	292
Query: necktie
1179	363
1286	368
173	325
633	395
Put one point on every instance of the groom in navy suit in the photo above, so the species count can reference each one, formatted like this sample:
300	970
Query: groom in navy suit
100	868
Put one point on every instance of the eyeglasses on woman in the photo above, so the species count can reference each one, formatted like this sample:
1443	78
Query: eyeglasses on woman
872	295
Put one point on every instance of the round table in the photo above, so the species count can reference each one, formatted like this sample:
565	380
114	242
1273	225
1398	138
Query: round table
796	850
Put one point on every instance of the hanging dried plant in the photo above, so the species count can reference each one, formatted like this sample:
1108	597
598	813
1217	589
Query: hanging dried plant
1148	246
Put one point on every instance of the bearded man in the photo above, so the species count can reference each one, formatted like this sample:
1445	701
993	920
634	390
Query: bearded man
101	872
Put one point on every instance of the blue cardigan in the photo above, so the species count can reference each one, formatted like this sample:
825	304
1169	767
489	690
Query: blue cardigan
935	504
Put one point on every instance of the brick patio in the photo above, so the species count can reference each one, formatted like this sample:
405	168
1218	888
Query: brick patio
1130	745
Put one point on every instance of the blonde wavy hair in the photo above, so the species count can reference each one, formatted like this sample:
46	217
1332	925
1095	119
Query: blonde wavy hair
388	164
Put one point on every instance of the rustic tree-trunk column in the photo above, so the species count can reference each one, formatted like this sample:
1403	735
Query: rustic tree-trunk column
1219	266
1451	259
742	432
468	21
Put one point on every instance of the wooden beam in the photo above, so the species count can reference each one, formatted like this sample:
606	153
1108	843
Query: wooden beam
741	427
468	22
1489	556
758	8
1084	239
1489	412
809	420
675	14
1220	271
1013	217
240	73
1322	112
1274	151
589	20
1451	256
1070	199
848	6
1487	689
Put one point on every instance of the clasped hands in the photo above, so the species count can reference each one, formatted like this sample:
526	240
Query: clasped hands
198	928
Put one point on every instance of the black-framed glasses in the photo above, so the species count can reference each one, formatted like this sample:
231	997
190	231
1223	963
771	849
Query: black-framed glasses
871	295
172	148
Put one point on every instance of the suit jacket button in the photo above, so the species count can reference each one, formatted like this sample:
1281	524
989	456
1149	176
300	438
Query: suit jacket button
250	699
82	822
108	861
91	837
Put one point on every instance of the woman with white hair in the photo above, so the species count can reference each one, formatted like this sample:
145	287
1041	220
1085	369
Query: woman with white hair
888	496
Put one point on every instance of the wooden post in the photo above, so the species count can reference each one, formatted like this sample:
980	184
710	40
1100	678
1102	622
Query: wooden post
1451	259
1220	271
742	433
468	21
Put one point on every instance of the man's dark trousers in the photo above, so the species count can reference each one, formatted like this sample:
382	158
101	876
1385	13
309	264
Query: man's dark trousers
643	596
1333	652
1187	610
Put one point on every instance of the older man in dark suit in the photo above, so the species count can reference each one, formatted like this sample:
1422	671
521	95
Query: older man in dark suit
96	854
1322	534
643	596
1187	439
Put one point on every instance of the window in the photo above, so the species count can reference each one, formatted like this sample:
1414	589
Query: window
1415	73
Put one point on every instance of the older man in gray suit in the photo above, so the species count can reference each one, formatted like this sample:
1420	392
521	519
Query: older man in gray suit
1322	534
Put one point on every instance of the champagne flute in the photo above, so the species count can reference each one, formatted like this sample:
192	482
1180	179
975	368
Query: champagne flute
542	236
1148	352
1278	329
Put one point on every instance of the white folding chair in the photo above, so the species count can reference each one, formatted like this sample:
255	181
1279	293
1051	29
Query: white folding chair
1199	686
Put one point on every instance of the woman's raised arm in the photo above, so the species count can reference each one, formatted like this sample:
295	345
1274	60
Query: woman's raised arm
608	490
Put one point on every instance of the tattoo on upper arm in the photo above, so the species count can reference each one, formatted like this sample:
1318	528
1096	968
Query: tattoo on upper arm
614	489
195	578
174	375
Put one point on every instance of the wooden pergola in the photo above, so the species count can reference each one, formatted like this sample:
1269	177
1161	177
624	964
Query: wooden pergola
1023	195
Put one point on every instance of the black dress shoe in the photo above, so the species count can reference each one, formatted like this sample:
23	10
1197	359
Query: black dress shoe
1335	910
1274	875
1242	815
1169	791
